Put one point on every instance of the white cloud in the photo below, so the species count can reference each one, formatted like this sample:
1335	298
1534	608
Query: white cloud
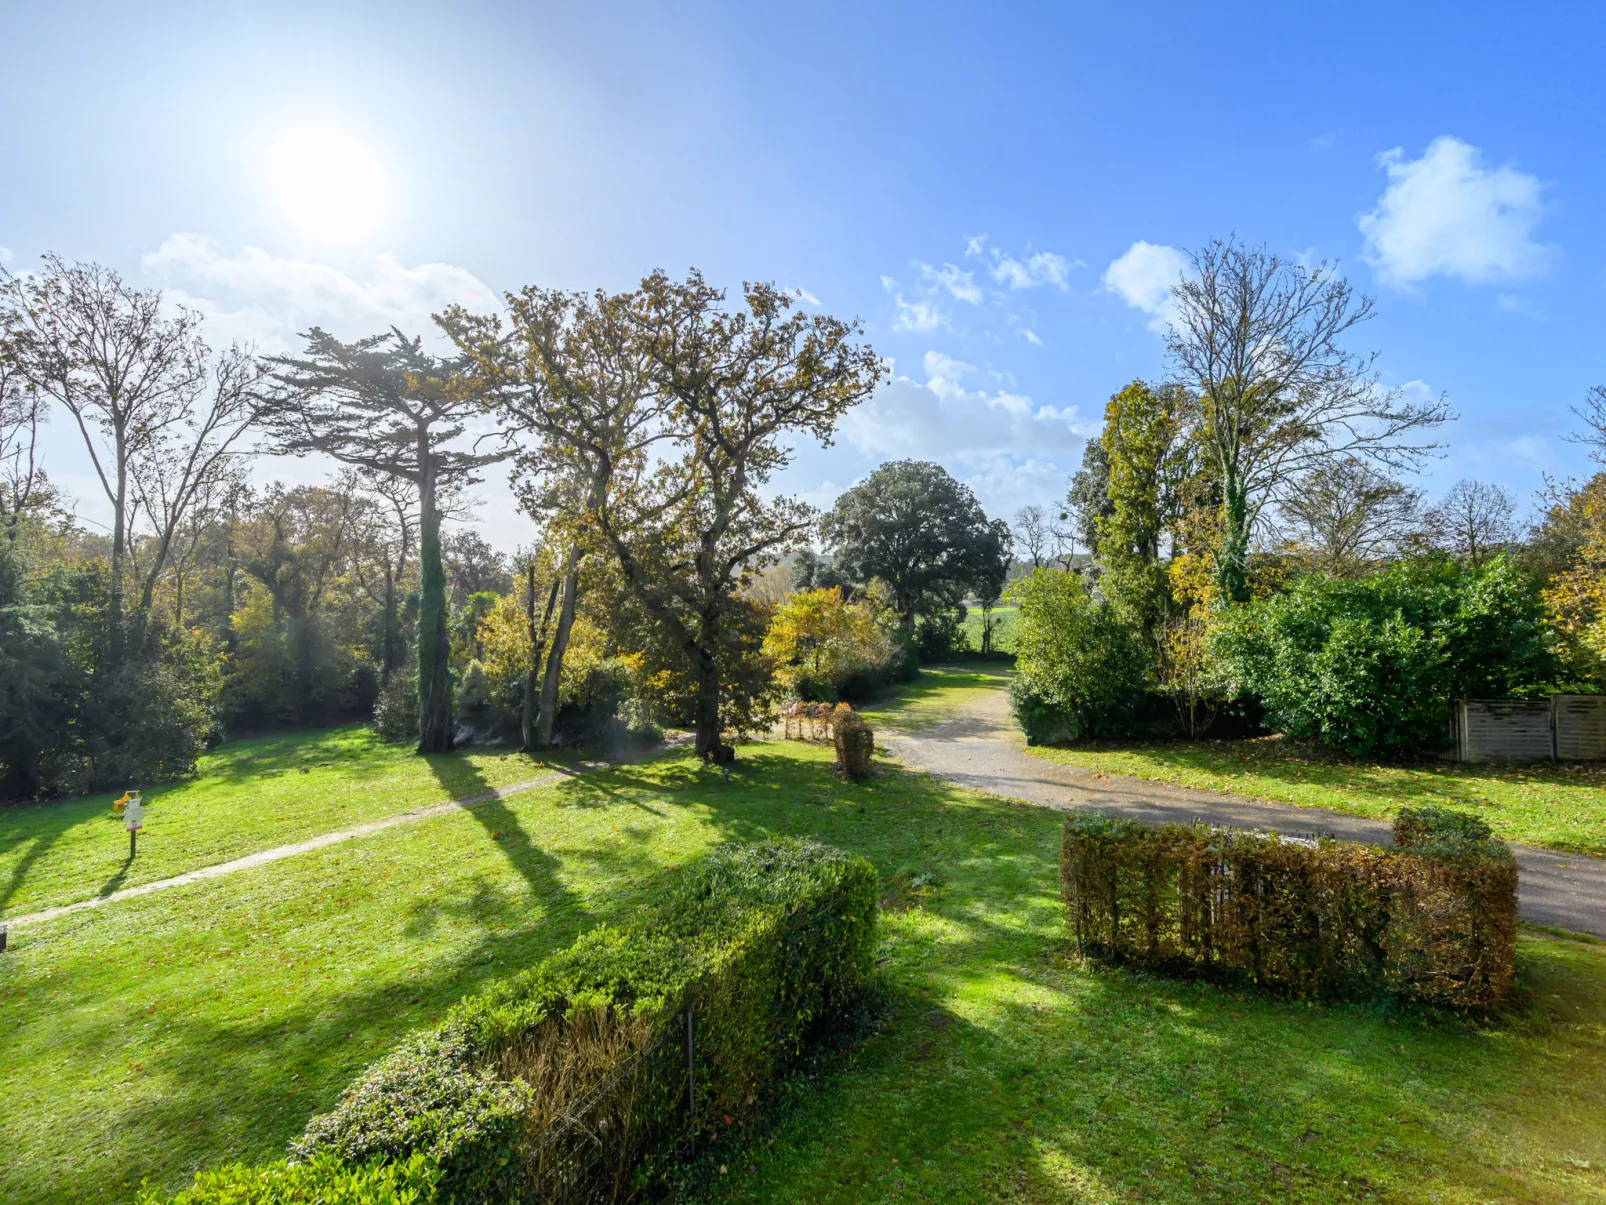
939	418
956	282
1031	337
252	295
919	317
1144	276
1449	214
806	297
1039	268
1043	268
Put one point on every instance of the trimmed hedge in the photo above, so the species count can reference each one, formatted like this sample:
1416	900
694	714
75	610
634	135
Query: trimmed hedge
1432	918
326	1180
763	943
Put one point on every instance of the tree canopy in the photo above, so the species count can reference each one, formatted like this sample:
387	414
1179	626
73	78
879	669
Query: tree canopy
911	525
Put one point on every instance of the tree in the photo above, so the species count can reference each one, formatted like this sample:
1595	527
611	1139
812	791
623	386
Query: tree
573	371
816	638
23	485
1259	340
1088	499
1032	534
1348	515
384	405
473	566
1147	460
1472	520
912	526
739	386
133	374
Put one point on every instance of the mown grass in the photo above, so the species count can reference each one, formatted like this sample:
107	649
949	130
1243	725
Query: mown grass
1003	628
1558	806
934	696
155	1035
248	795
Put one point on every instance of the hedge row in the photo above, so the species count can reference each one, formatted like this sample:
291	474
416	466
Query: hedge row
1432	918
323	1181
763	943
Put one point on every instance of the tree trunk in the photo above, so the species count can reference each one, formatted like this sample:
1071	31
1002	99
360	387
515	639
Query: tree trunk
527	714
119	543
392	645
709	746
560	643
434	672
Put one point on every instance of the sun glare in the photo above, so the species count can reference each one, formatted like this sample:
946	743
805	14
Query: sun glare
330	184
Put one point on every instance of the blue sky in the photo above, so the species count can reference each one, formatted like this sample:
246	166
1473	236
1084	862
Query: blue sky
999	192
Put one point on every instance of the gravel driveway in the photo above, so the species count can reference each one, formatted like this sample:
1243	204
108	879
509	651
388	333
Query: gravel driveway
980	747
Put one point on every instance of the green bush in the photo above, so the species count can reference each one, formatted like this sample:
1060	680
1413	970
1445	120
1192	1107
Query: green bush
763	944
1432	918
1081	670
429	1097
1369	667
325	1180
396	710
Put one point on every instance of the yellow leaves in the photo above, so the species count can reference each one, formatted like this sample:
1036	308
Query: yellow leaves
816	633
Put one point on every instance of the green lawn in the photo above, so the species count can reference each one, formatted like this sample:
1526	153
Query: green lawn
154	1035
933	696
1559	806
249	795
1003	628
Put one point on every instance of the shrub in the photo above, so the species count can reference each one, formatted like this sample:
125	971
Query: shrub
1370	666
429	1096
1434	918
323	1181
941	636
824	646
474	693
762	943
396	709
1081	670
854	742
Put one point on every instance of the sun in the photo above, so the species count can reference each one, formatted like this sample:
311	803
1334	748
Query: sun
331	185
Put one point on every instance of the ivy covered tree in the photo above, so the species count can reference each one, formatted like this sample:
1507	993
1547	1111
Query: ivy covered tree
386	406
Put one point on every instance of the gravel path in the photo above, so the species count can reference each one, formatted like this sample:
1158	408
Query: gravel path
980	747
263	856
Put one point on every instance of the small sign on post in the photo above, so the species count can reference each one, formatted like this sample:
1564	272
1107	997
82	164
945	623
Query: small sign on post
133	818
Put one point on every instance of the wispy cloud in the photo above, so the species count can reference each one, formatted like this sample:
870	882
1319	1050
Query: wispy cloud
1450	214
955	281
1029	271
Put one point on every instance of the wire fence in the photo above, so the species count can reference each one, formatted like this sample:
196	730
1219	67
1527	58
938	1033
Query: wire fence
591	1154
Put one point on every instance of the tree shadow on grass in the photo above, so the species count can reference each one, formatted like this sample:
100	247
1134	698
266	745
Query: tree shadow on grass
538	868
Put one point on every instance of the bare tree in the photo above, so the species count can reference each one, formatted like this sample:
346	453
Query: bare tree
1032	533
1349	514
1473	520
386	406
1593	411
184	472
23	485
1259	339
127	370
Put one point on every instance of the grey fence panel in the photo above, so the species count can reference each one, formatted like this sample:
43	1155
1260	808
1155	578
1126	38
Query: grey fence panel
1580	727
1504	730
